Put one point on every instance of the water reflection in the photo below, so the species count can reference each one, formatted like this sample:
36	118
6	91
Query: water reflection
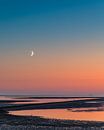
6	98
37	100
63	114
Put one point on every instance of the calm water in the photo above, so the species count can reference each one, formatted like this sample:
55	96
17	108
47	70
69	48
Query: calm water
59	113
47	100
63	114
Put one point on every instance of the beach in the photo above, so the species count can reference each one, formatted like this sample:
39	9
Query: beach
9	121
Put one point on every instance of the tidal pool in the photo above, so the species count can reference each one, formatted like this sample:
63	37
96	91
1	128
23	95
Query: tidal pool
63	114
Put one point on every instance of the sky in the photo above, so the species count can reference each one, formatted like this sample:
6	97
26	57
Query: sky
67	37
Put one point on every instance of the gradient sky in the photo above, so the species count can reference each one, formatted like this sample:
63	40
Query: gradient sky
68	38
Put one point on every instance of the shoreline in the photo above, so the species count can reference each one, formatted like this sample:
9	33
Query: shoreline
14	120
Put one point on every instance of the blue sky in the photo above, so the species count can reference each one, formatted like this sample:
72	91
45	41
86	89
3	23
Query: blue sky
69	35
50	21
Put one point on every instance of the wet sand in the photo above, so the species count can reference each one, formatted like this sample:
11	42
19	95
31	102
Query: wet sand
39	121
97	102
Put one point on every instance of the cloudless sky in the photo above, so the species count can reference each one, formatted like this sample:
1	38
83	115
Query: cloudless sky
68	39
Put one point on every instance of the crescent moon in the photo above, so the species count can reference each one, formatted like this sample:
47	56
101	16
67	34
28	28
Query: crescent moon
32	53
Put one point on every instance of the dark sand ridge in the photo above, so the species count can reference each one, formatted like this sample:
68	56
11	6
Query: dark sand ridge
51	97
57	105
12	101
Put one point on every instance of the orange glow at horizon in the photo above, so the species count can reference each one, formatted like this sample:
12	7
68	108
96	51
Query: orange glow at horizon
71	72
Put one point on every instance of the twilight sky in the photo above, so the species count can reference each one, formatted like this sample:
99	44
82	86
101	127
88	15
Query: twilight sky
68	39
